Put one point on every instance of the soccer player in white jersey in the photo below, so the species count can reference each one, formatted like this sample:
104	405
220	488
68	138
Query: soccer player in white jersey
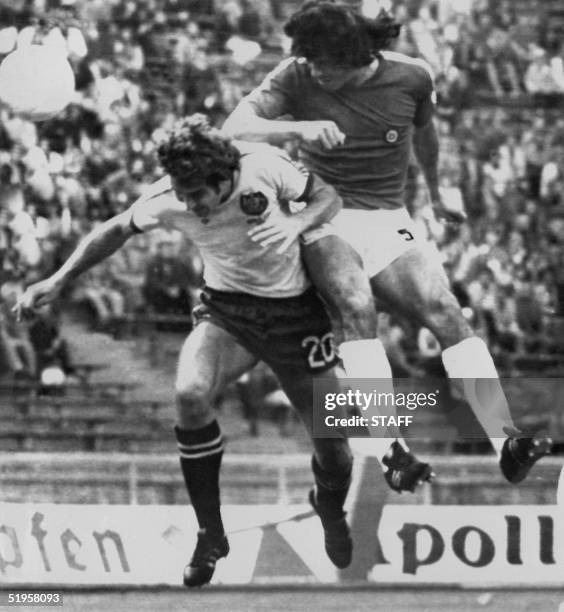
358	111
257	304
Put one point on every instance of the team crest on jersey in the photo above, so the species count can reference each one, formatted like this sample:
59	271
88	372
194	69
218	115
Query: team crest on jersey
253	203
392	136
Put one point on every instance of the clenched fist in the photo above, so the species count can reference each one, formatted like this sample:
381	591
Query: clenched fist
327	133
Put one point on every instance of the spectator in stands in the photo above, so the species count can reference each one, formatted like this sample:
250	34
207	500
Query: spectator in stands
552	177
126	271
171	283
16	350
393	336
497	175
261	396
104	303
530	315
227	22
51	349
506	335
542	76
501	60
20	227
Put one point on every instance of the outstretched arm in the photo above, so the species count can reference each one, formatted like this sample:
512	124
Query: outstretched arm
94	248
98	245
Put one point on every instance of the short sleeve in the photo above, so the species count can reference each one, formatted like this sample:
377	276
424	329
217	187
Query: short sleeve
292	184
275	96
156	208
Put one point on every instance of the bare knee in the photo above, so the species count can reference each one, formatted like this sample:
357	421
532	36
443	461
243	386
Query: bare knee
354	311
193	405
442	314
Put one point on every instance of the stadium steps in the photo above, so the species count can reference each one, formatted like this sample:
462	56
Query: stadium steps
140	418
128	360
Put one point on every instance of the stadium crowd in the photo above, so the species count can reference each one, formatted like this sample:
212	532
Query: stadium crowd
506	48
138	65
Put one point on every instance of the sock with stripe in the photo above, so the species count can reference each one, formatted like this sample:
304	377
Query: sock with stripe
201	451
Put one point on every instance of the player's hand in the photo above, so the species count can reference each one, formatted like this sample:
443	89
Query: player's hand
284	229
327	133
443	212
34	297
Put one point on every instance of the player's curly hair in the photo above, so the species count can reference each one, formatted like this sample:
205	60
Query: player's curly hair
196	152
322	28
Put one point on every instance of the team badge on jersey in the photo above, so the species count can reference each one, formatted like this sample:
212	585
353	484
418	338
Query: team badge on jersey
392	136
253	203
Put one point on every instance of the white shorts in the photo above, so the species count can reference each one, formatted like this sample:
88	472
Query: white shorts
379	236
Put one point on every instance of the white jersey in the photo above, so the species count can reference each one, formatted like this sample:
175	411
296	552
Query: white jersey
232	261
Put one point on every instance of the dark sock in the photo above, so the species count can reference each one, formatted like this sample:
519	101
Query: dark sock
331	490
201	451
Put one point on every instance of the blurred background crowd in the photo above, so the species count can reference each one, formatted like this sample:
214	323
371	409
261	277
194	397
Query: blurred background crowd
139	64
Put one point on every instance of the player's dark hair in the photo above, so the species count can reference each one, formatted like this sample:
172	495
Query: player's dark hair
322	28
196	152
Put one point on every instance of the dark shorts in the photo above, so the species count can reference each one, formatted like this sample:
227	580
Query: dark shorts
292	333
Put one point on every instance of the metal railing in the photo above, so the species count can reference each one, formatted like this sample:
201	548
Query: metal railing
281	479
136	470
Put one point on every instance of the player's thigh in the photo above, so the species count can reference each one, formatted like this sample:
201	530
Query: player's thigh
416	286
210	359
336	271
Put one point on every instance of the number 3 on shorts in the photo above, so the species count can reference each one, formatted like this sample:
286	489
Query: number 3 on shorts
407	235
321	351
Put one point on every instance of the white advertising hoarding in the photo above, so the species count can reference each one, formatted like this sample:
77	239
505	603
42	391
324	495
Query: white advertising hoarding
48	544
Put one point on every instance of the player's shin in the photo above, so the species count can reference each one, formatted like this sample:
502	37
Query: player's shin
473	374
201	451
331	488
328	498
368	359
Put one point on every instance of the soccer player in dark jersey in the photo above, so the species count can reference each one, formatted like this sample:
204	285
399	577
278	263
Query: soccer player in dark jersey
358	111
258	303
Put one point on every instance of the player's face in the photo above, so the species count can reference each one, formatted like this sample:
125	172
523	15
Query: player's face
202	199
331	76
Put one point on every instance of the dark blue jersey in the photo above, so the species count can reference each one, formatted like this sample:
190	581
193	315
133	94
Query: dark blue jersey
377	117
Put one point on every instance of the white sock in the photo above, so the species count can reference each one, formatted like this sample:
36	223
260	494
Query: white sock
368	359
475	376
365	359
